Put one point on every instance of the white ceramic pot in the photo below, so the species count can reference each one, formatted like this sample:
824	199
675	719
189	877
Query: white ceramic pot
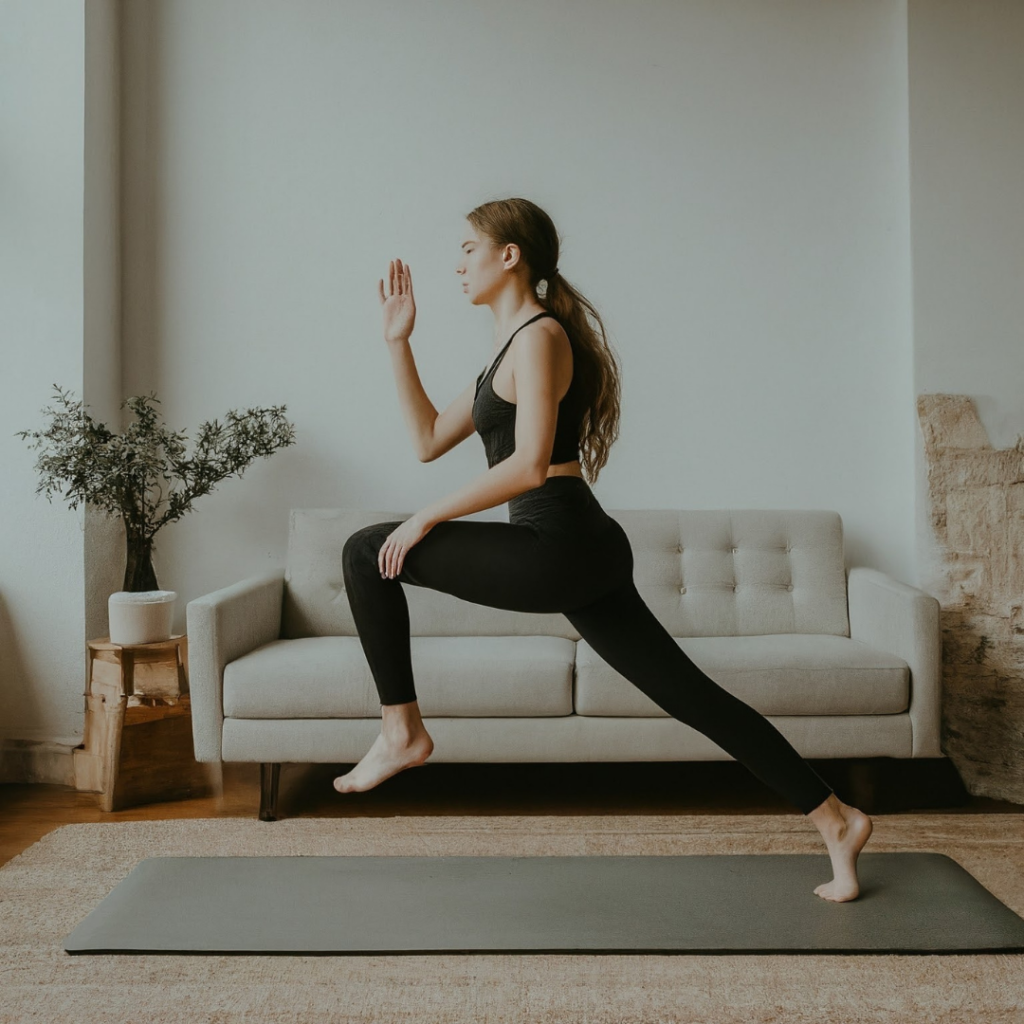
141	617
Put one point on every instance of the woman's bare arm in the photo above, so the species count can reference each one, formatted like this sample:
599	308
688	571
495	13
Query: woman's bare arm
399	313
452	426
418	410
432	433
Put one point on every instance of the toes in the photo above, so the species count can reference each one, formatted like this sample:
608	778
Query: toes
832	896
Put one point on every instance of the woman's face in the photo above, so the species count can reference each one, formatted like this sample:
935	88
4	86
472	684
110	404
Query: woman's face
479	267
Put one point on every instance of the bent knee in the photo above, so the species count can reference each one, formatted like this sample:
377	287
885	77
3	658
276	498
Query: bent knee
362	547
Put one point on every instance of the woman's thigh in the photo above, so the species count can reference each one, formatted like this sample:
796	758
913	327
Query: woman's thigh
502	565
628	636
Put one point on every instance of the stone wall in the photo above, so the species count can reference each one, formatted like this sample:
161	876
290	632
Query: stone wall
976	506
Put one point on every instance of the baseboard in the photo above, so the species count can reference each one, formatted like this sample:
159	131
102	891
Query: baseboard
35	760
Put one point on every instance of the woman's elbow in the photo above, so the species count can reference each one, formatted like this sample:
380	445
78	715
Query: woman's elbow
535	472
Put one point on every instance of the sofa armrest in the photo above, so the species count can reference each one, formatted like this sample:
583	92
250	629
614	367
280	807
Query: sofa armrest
904	621
221	627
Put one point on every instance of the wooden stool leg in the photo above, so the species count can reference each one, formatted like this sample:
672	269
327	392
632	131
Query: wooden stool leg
270	776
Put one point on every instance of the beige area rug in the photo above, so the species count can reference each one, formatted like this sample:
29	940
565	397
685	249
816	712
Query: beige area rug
50	887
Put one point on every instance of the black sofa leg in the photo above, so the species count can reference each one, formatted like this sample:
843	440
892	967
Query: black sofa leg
863	783
270	776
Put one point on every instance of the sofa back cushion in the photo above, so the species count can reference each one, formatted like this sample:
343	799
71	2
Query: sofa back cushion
717	572
740	572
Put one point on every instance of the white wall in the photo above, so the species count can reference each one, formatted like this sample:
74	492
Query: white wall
42	614
967	139
104	548
730	180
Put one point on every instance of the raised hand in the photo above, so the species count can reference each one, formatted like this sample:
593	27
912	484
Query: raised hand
398	308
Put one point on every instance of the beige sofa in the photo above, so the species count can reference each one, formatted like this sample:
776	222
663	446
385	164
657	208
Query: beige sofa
845	662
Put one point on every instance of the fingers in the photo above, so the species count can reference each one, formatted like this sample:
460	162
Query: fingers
389	560
399	279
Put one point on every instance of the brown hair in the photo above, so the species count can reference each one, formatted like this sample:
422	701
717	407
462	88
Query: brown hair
526	225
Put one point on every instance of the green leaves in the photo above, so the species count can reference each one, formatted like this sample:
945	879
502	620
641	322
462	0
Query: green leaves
119	472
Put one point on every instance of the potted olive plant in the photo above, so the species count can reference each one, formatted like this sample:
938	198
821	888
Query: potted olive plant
118	473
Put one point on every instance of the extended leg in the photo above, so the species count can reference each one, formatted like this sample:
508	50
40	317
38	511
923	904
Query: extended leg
625	632
627	635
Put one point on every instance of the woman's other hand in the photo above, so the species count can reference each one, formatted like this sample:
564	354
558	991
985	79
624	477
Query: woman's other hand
398	308
391	556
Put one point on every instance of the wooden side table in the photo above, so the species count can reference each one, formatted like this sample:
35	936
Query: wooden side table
137	747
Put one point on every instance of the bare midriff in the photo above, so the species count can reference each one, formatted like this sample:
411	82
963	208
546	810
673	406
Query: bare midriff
565	469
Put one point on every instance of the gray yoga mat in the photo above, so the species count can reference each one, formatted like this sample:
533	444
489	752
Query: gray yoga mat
736	903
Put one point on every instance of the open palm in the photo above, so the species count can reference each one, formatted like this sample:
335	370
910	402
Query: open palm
398	308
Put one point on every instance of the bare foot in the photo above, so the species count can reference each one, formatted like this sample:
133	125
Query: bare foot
844	839
385	758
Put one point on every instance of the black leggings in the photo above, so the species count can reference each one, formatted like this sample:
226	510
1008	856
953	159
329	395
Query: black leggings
561	552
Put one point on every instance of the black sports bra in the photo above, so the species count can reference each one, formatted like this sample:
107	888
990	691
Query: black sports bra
495	418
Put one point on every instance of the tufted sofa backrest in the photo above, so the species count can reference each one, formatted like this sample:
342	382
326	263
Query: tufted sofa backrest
740	572
708	572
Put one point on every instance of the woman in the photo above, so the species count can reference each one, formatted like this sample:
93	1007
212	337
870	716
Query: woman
547	406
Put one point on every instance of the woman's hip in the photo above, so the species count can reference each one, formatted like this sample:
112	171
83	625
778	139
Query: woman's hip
561	506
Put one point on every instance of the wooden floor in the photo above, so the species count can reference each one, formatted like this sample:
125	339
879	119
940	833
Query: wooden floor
28	812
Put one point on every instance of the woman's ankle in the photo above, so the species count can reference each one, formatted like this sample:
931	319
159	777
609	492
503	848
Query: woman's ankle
829	814
401	722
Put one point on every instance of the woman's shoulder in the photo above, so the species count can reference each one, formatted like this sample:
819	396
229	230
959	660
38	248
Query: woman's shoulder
550	325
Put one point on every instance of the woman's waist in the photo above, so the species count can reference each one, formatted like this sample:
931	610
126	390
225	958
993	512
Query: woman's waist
571	468
565	486
563	499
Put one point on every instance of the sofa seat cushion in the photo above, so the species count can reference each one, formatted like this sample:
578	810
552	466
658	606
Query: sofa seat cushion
470	676
778	674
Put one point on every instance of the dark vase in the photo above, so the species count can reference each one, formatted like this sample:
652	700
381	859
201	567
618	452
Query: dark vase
138	570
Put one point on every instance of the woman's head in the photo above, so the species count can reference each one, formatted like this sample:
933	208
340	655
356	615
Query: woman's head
508	236
515	236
